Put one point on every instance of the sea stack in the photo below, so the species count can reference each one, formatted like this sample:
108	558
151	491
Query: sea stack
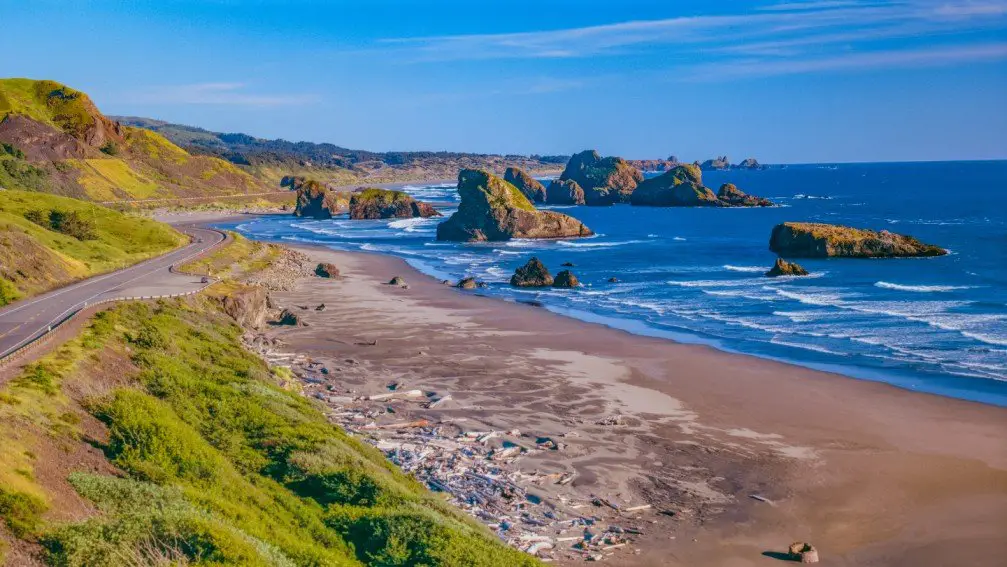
605	181
384	204
818	240
314	200
532	274
785	268
564	192
565	279
526	184
492	209
682	186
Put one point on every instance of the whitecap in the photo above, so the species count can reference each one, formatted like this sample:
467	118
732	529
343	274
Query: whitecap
752	269
576	244
919	288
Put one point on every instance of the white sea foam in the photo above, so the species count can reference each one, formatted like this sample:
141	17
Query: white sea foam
678	238
751	269
919	288
577	244
411	224
806	346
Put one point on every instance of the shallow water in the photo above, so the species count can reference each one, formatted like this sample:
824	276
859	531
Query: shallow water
937	325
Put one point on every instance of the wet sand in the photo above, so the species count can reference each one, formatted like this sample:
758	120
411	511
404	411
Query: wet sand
868	473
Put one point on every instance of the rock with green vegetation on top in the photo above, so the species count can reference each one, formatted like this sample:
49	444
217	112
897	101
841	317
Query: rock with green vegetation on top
526	184
785	268
605	181
492	209
681	186
316	201
565	279
385	204
818	240
532	274
730	195
564	192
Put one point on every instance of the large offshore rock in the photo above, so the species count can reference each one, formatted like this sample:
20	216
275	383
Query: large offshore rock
818	240
681	186
730	195
605	181
385	204
526	184
565	192
316	201
492	209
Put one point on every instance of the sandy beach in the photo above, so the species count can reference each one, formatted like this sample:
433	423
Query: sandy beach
869	474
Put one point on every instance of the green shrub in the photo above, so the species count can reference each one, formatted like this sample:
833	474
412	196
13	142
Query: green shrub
110	148
38	376
11	150
38	217
21	512
18	174
8	292
73	224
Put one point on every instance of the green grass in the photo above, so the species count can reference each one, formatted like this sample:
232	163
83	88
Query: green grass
223	466
34	258
110	179
48	102
239	257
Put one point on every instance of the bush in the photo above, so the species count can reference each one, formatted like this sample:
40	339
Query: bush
21	512
38	217
72	224
110	148
8	292
11	150
18	174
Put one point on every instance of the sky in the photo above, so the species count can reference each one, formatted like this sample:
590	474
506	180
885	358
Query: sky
783	81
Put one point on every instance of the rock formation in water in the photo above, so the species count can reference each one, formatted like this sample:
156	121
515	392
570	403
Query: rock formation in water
565	192
730	195
565	279
385	204
718	163
817	240
326	270
749	163
316	201
605	181
532	274
467	283
526	184
785	268
492	209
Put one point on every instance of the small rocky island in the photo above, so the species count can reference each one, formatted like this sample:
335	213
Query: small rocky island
818	240
785	268
493	209
532	274
603	181
526	184
317	201
385	204
682	186
565	192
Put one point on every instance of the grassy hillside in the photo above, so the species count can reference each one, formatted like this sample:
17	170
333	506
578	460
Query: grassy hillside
154	438
59	142
35	256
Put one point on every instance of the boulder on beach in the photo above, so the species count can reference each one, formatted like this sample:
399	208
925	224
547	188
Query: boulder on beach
397	280
564	192
565	279
526	184
384	204
326	270
532	274
605	181
467	283
730	195
492	209
681	186
316	201
803	552
785	268
818	240
288	317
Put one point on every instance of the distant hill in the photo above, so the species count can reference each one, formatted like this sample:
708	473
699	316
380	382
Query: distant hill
56	140
272	159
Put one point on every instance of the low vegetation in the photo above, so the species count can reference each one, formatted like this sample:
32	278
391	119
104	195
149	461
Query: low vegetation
239	257
207	460
47	241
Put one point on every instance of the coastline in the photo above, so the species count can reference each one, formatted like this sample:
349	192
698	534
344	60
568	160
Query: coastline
869	473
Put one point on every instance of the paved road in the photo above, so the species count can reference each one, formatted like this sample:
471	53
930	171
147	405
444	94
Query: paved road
26	319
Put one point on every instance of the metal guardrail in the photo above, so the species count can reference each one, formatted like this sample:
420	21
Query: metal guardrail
35	341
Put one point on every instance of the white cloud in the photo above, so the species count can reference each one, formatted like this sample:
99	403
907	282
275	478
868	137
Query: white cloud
230	94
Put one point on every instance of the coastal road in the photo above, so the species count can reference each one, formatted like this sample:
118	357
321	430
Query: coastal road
24	320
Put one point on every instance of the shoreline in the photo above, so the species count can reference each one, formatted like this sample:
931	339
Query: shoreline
868	472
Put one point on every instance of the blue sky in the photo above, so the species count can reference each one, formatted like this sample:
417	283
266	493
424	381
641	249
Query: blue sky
784	81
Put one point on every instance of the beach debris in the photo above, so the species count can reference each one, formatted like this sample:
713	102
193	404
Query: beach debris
616	419
396	394
397	280
803	552
762	499
321	307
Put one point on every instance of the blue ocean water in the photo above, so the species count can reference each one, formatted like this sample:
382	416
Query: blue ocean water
696	275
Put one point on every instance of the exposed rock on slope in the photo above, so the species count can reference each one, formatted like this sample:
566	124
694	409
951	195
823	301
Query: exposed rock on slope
604	180
384	204
565	192
817	240
532	274
730	195
526	184
247	306
492	209
785	268
315	201
683	187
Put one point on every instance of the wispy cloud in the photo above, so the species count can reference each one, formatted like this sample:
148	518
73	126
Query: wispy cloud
776	37
232	94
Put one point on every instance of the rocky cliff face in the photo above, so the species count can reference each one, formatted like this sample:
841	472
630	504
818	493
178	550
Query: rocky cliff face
384	204
730	195
492	209
816	240
566	192
247	305
526	184
605	181
317	202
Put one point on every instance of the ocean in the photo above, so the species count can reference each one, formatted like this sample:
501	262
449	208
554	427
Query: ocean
695	275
